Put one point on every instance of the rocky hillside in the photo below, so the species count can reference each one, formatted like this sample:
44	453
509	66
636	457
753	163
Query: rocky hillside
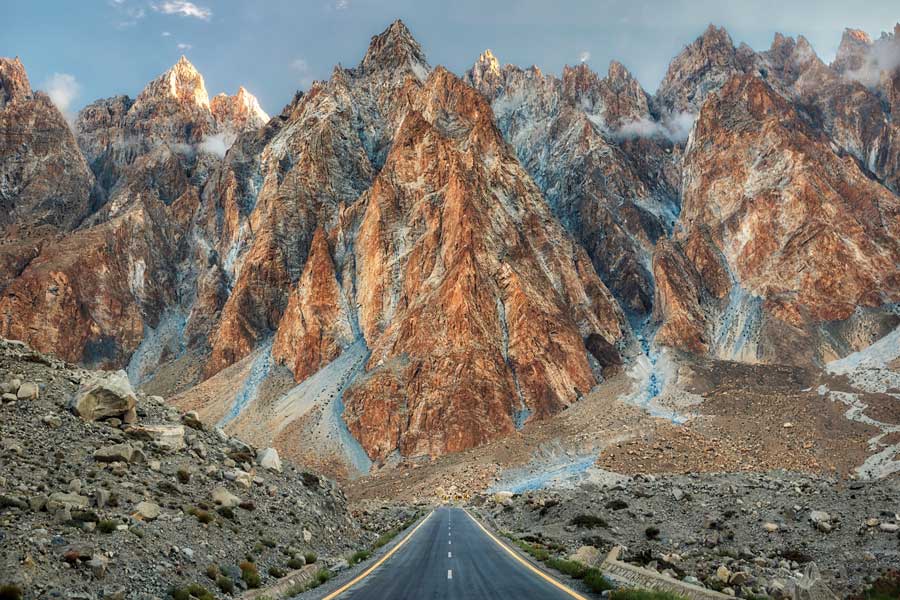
105	492
405	263
750	535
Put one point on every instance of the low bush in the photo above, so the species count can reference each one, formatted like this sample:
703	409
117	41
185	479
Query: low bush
572	568
10	591
277	572
535	552
106	526
596	582
588	521
359	556
212	571
225	584
310	557
250	574
193	590
296	563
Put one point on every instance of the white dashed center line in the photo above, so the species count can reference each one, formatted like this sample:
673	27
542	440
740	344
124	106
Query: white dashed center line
449	573
449	555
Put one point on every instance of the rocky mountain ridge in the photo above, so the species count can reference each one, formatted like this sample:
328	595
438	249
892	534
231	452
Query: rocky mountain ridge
405	263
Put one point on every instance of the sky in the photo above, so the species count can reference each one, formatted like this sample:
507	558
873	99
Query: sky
82	50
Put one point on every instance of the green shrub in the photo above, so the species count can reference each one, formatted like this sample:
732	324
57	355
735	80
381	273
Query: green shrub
385	538
535	552
633	594
588	521
296	563
268	542
359	556
226	512
106	526
193	590
250	574
212	571
277	572
572	568
10	591
310	557
225	584
184	476
596	582
322	575
204	516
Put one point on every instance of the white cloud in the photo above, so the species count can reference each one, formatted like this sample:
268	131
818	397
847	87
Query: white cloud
128	15
218	144
62	89
184	9
342	4
675	127
183	46
166	34
883	55
302	68
584	56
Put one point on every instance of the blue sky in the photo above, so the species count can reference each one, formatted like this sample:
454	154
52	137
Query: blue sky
89	49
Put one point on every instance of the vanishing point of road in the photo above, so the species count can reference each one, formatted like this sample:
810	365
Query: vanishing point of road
451	556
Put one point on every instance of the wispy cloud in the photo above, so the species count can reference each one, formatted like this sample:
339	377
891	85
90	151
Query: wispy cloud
675	127
341	4
184	9
882	57
62	88
127	15
300	66
584	56
166	34
183	46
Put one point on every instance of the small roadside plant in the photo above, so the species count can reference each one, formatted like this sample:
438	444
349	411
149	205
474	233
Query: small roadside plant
296	563
10	591
277	572
250	574
225	584
359	556
572	568
106	526
310	557
634	594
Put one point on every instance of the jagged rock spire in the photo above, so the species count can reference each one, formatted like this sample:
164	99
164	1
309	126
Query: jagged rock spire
395	49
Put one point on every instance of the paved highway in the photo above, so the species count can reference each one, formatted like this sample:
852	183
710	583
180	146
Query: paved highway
449	556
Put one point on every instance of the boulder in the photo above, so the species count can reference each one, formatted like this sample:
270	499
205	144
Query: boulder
167	437
104	397
192	420
588	555
28	391
115	453
268	459
147	511
65	500
223	497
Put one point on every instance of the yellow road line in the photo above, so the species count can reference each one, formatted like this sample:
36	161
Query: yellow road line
527	564
368	571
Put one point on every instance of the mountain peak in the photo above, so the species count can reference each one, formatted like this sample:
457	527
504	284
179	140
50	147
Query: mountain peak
182	82
239	112
395	49
13	80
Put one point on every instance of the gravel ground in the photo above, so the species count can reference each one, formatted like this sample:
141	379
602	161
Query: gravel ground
747	532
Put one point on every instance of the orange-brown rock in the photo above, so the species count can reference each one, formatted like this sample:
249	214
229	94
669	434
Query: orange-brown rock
316	324
786	215
475	303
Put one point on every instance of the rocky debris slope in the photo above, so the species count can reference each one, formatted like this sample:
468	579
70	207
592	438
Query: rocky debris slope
130	498
751	535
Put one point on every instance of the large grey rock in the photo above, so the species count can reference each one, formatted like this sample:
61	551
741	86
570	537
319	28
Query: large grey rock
223	497
115	453
268	458
148	511
28	391
167	437
104	397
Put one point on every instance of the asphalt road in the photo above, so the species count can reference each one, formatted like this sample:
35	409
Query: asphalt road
450	556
